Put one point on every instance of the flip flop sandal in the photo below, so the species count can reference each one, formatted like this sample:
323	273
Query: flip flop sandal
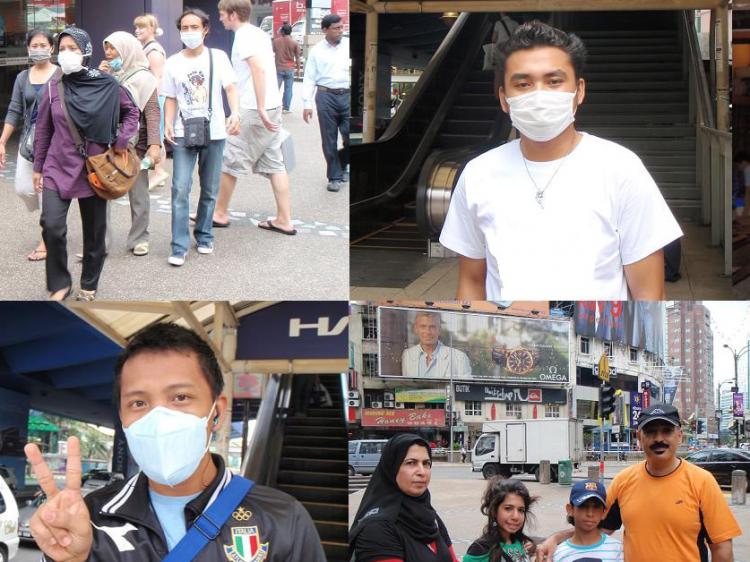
274	228
37	255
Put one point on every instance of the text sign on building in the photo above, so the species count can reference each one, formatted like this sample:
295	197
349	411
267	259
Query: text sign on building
476	392
421	395
378	417
444	345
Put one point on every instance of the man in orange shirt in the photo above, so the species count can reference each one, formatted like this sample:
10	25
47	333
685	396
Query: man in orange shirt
288	54
673	511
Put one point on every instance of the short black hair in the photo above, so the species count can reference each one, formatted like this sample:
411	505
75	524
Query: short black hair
329	20
205	20
539	34
40	31
286	29
168	336
571	520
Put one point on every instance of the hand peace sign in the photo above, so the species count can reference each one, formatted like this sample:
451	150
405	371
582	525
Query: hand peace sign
62	525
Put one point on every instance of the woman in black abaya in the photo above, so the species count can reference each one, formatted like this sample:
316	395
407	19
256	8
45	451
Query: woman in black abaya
395	521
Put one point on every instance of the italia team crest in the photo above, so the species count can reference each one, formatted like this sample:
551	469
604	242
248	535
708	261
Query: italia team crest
246	546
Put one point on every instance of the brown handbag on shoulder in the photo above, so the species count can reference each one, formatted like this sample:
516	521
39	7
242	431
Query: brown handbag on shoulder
110	175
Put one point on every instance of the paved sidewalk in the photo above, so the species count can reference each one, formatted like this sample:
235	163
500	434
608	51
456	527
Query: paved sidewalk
248	264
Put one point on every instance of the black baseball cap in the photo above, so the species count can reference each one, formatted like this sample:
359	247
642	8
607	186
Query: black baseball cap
665	412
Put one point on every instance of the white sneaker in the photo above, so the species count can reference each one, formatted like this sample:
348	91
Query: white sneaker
205	250
176	259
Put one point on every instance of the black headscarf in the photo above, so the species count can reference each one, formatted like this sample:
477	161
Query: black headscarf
92	97
384	501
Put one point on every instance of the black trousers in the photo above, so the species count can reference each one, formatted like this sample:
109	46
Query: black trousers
333	116
54	223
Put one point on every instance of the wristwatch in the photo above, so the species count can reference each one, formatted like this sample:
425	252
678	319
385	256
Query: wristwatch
517	360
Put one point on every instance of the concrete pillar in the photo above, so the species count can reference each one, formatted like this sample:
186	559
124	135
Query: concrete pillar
593	473
544	472
369	108
722	68
739	487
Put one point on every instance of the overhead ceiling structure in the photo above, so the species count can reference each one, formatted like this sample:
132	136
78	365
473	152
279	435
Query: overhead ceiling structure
63	356
427	6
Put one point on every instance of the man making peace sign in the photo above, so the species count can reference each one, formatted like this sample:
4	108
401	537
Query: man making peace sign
168	390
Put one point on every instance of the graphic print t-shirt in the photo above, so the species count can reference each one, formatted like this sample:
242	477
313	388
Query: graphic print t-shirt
186	79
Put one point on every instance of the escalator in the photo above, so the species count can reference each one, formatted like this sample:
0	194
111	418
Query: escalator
305	455
637	95
451	106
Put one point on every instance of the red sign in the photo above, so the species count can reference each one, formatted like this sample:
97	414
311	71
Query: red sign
534	395
402	418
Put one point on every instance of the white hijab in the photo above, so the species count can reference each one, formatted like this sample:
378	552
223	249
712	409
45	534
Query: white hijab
135	75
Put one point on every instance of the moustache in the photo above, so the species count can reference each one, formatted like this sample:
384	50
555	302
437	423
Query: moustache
659	446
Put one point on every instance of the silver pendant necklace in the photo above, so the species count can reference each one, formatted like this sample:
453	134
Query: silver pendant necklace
540	192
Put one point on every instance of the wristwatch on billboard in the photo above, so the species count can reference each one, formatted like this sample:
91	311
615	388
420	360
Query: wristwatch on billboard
517	360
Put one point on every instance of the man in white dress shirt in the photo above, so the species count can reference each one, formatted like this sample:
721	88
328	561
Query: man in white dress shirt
431	359
327	70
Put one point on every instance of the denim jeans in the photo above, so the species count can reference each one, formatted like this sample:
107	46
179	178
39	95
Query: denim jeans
209	172
287	78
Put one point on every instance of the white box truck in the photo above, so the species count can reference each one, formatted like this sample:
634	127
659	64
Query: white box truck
517	446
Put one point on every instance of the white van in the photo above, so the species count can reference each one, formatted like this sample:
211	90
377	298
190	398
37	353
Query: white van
8	523
364	455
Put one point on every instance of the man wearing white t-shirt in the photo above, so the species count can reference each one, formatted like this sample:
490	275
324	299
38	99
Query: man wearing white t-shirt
258	146
192	84
557	214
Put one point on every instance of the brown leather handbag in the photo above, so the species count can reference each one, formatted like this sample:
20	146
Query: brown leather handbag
110	175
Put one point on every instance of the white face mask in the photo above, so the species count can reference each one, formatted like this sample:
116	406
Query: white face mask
168	445
542	115
70	61
192	39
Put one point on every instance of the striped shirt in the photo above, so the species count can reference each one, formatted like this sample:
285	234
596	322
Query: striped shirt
608	549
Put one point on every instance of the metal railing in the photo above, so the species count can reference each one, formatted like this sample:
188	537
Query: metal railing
713	148
261	462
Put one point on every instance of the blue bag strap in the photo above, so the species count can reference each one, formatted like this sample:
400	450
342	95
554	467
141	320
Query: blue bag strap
208	524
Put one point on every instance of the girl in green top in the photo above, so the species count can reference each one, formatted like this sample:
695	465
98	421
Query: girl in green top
506	504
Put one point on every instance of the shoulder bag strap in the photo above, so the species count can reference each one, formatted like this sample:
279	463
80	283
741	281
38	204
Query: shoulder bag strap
210	82
73	129
208	525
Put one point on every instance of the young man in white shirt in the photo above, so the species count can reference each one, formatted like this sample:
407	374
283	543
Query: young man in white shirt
192	81
327	69
557	214
258	146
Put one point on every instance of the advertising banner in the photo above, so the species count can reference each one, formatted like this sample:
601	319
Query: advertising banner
248	386
636	405
421	395
443	345
738	404
508	393
378	417
634	323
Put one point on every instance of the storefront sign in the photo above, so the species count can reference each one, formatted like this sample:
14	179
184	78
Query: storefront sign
420	395
248	386
501	393
372	417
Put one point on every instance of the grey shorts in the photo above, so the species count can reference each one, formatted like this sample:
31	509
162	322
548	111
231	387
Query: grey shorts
256	148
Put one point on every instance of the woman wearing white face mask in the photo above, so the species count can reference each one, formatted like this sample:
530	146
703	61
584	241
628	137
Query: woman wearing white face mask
556	213
22	112
105	116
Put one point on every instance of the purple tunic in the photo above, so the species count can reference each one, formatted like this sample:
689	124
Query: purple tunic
55	153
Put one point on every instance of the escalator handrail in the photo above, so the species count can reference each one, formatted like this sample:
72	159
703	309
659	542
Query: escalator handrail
261	461
695	61
428	76
415	162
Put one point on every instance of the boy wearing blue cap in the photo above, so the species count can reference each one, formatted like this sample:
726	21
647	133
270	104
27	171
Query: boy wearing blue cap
588	503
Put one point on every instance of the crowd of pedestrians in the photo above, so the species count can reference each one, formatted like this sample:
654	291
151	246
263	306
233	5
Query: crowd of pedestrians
137	101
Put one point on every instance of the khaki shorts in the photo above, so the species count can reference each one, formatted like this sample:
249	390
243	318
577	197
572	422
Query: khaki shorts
256	148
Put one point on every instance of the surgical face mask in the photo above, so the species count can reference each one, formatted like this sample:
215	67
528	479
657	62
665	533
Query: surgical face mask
191	39
116	64
70	61
168	445
542	115
39	55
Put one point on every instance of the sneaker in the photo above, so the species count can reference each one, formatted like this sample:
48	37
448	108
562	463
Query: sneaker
346	177
334	185
285	111
141	249
209	249
176	259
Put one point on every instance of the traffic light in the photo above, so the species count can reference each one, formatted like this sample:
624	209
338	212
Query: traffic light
699	427
606	400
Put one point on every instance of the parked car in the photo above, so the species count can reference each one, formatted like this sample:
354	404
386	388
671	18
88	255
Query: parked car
298	32
266	25
721	463
9	475
24	516
8	523
364	455
100	474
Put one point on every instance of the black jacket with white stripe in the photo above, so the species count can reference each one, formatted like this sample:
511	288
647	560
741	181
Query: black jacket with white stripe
268	525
